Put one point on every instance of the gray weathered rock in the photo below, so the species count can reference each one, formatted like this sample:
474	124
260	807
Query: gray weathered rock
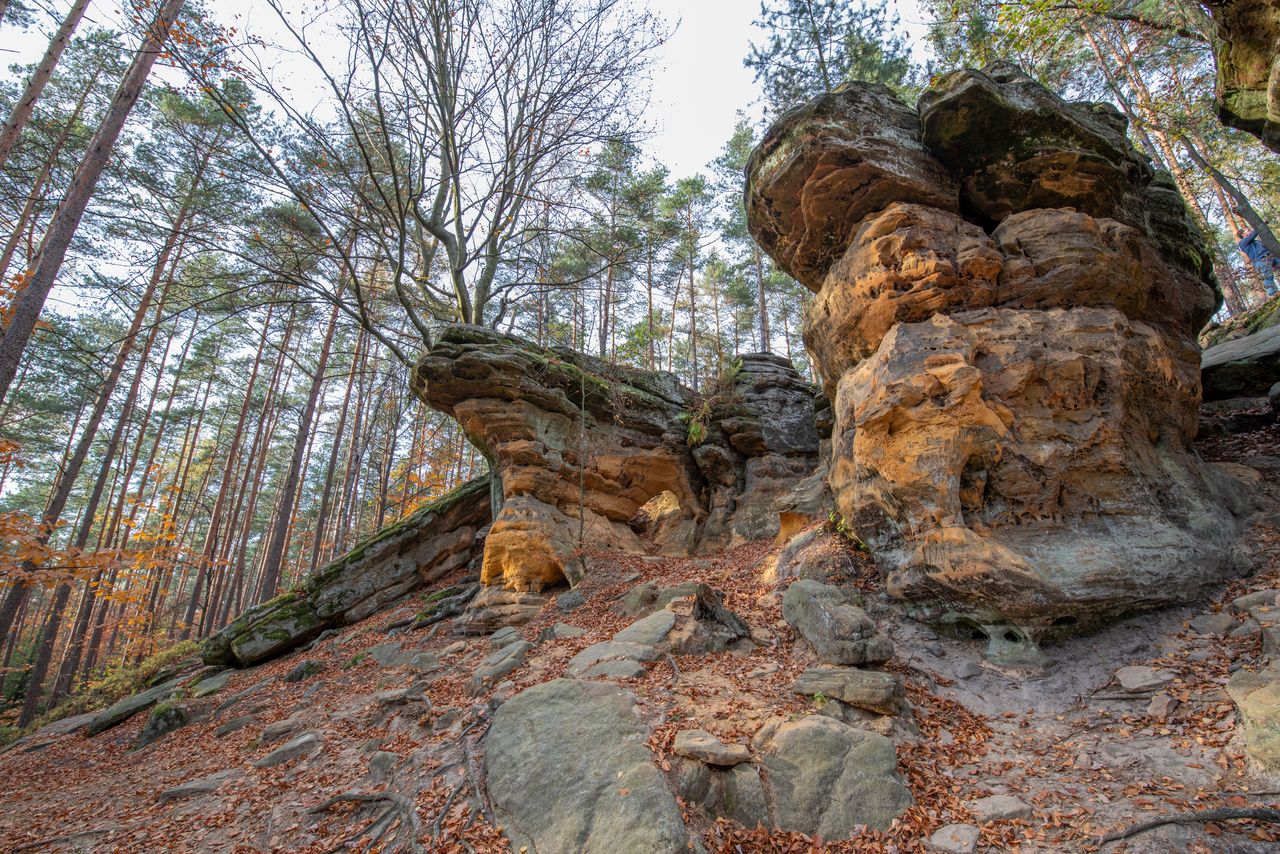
201	786
1213	625
1243	367
870	690
163	720
620	668
130	706
303	670
498	664
822	777
704	747
1000	808
234	725
1140	678
650	631
955	839
211	684
609	651
734	793
503	636
607	795
290	750
1257	695
838	631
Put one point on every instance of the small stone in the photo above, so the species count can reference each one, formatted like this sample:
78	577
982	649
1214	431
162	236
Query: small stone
967	670
566	602
703	746
1083	762
303	670
455	648
499	664
162	721
1161	706
279	729
233	725
1213	625
381	765
202	786
1000	808
295	749
767	669
1137	679
1258	599
564	631
1247	629
955	839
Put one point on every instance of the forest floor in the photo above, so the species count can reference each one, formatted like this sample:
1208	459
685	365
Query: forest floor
393	764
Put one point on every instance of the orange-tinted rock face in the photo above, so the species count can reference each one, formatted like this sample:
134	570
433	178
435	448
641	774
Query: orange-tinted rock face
579	447
1015	386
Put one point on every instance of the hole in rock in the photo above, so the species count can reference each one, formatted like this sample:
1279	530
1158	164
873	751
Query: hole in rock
1012	636
1065	621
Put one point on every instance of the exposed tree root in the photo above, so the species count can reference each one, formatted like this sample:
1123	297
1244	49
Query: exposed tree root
1225	814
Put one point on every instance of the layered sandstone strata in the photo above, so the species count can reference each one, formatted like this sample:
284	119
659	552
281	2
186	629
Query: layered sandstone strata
579	448
1010	348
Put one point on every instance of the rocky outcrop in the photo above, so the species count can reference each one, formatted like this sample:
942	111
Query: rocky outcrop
1242	367
423	547
1248	95
1010	351
580	448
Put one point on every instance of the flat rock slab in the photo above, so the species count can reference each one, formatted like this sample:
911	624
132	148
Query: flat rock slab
202	786
504	636
619	668
609	651
650	631
289	751
66	726
1213	625
130	706
1139	678
563	631
955	839
210	685
1000	808
568	771
869	690
825	778
704	747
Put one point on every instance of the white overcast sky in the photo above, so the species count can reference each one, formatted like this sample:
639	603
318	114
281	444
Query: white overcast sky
699	81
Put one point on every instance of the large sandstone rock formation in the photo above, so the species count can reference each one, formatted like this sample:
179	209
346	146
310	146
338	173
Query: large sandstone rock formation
419	549
1007	297
1248	34
579	447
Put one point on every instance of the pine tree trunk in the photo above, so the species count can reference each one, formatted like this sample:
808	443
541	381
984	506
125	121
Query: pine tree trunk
322	516
66	218
35	86
280	527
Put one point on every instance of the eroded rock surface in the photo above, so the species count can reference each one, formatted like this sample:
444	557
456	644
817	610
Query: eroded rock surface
417	550
587	452
1248	90
568	770
1010	352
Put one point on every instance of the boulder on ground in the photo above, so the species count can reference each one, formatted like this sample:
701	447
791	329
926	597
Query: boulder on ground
568	771
825	778
839	632
1257	695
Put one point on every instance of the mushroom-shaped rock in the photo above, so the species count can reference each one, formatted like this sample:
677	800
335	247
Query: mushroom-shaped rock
1014	379
825	165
